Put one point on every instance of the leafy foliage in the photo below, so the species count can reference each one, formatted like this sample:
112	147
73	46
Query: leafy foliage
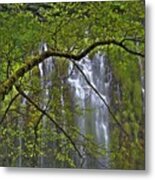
70	28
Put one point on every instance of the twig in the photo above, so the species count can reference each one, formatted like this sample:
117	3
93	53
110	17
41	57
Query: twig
51	119
7	109
6	86
100	96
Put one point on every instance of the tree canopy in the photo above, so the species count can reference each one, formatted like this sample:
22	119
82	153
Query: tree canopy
71	31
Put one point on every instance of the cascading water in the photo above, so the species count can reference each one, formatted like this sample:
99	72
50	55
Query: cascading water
94	116
19	141
45	69
94	119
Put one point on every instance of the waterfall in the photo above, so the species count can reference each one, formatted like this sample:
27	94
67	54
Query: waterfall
20	125
95	120
45	70
94	117
142	80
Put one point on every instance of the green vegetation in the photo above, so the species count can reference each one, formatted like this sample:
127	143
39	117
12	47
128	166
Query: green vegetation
71	31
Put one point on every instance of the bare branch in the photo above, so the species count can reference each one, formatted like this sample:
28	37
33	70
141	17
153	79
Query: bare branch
50	118
7	109
100	96
135	40
108	42
6	86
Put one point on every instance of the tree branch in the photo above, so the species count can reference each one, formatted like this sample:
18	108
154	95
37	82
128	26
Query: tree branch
50	118
6	86
135	40
108	42
7	109
100	96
